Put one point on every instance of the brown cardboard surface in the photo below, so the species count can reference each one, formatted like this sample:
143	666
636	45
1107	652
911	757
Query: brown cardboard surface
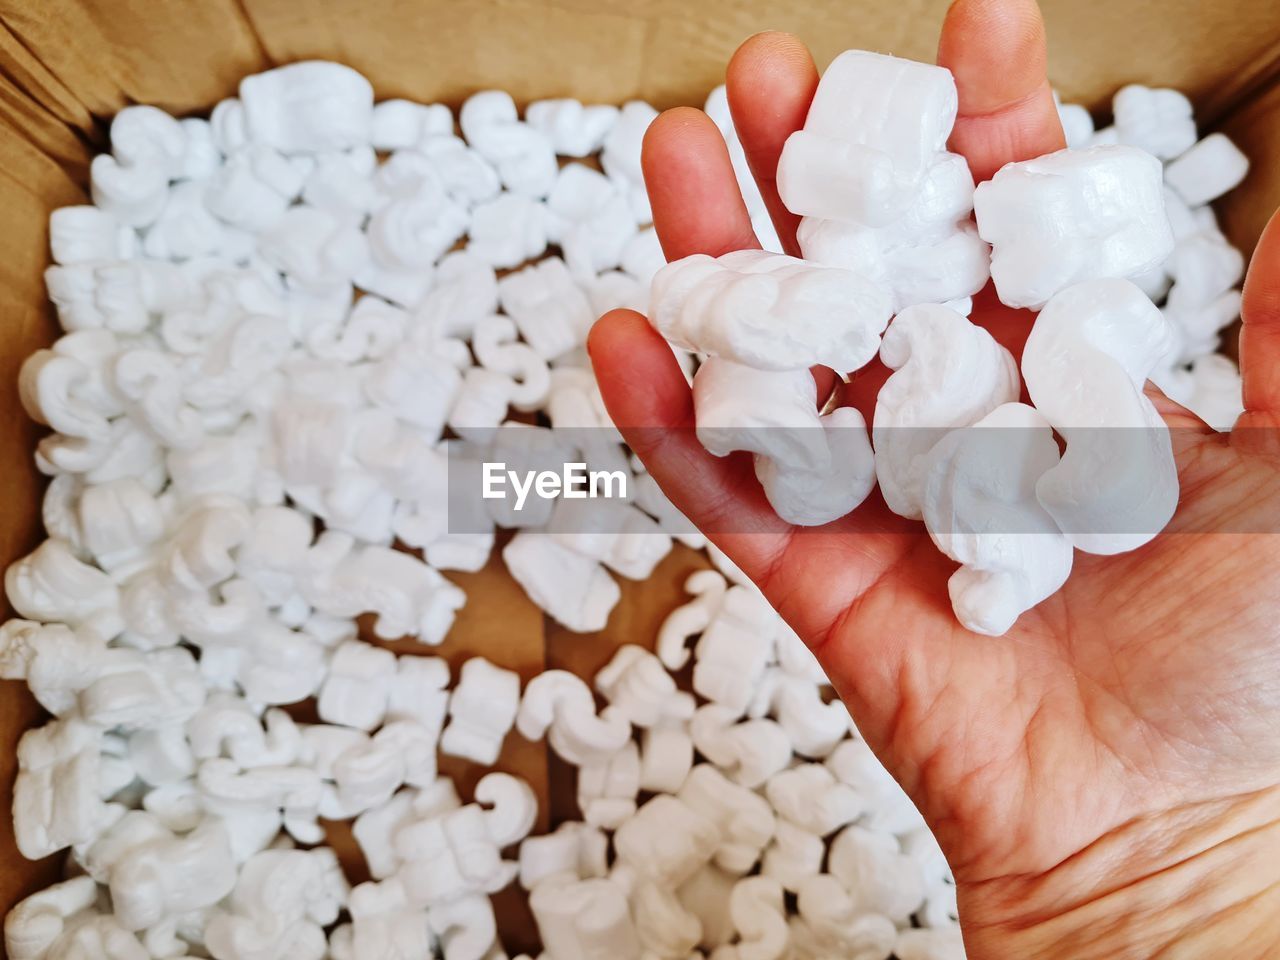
67	65
639	614
102	54
77	58
503	625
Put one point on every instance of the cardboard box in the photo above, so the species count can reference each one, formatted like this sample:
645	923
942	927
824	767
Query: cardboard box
67	65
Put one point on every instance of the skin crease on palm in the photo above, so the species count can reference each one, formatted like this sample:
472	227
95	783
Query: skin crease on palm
1103	778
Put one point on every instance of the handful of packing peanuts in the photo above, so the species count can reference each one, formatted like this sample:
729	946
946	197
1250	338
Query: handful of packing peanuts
273	316
886	233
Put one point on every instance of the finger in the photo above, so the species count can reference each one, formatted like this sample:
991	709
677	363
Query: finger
648	399
996	50
650	402
1260	334
770	83
697	207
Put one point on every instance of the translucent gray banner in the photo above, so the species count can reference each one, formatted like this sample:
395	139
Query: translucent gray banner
1110	481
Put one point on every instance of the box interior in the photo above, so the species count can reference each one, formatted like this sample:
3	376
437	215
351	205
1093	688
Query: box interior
66	66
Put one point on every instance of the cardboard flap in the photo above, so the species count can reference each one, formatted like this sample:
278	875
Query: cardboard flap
672	52
83	57
68	65
37	103
176	55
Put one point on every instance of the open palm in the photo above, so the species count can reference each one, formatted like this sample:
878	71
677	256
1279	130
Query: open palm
1107	736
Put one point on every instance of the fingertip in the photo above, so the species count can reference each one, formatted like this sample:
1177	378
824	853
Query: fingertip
670	125
615	326
996	51
674	136
770	83
639	377
768	54
697	207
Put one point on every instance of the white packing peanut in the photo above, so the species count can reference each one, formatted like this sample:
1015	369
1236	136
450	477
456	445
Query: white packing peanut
981	509
482	709
875	124
308	107
1072	216
948	373
1159	121
1207	170
559	705
1090	349
769	310
575	130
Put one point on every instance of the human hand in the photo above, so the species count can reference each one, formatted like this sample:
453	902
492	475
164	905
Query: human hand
1105	778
